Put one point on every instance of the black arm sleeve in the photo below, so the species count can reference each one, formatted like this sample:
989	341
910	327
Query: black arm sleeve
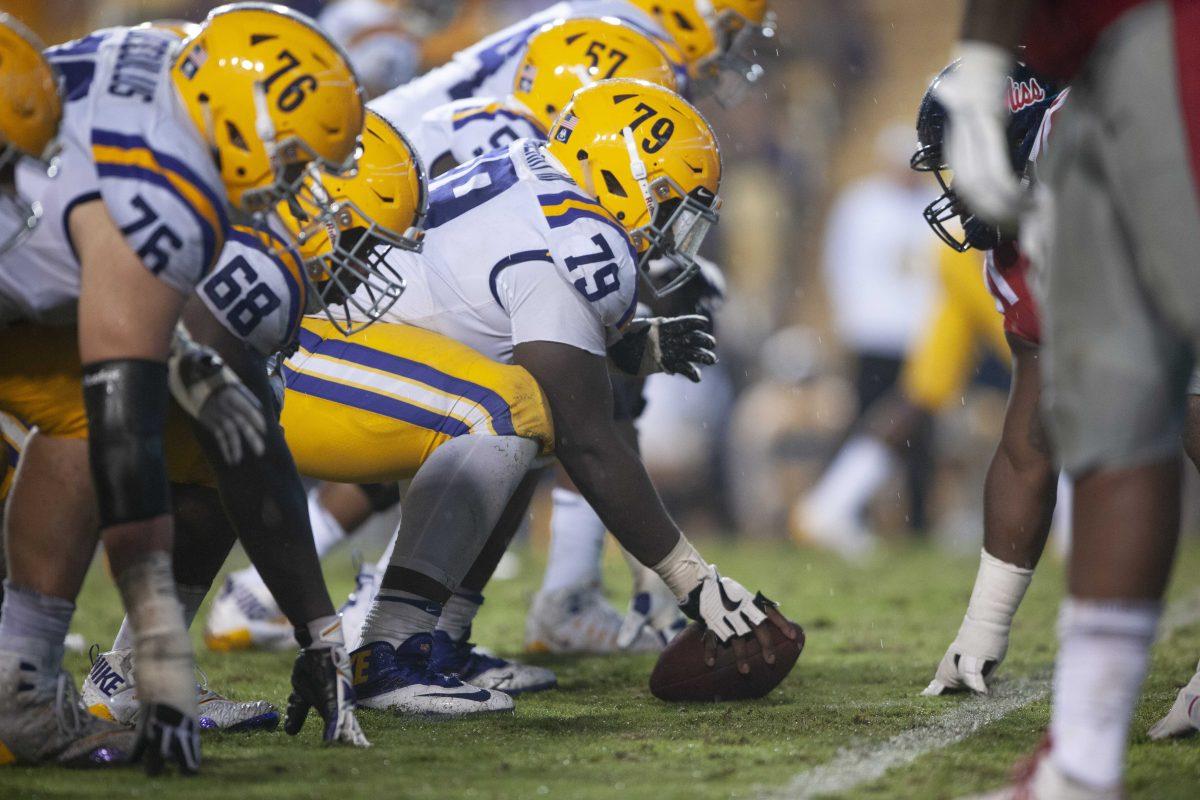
263	495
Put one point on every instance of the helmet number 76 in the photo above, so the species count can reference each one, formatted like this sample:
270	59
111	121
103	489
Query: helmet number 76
294	93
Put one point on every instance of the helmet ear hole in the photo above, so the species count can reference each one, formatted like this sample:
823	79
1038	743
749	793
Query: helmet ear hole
683	22
612	185
235	137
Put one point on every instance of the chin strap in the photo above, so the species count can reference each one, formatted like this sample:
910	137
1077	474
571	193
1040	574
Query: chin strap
638	168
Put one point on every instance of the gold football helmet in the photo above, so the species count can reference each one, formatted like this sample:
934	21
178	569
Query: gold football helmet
651	160
717	37
30	114
273	97
568	54
344	249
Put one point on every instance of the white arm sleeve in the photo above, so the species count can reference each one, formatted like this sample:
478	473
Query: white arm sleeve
544	308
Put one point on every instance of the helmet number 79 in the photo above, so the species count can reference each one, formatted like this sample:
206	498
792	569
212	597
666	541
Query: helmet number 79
660	132
596	48
294	93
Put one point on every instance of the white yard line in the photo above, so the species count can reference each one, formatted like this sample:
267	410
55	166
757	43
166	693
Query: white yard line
855	766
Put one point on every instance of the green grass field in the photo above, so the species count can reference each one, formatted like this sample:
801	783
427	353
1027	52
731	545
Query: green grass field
874	636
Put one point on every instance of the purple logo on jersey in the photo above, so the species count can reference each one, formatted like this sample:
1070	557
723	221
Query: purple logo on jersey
1024	94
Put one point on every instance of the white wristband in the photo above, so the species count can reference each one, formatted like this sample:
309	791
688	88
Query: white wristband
683	569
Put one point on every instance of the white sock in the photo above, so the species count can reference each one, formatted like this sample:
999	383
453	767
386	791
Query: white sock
999	588
190	597
322	633
858	471
162	649
327	531
396	615
1104	651
34	625
576	543
458	613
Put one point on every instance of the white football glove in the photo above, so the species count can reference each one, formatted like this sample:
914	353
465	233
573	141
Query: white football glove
213	395
976	145
969	661
724	605
1184	717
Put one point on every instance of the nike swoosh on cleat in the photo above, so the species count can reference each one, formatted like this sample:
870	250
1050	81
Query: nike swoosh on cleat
481	695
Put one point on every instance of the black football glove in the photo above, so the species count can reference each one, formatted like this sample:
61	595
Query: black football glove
676	346
165	735
321	680
215	397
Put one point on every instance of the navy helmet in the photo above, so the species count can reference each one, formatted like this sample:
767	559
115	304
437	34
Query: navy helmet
1029	96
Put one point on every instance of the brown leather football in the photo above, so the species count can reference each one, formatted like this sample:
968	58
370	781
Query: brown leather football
682	676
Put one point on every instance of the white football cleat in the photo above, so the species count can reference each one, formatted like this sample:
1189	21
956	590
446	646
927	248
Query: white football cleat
244	616
579	619
1038	778
43	722
1184	717
110	692
478	667
651	614
358	604
846	537
399	679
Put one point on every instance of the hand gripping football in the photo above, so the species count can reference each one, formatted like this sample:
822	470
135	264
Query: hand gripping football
681	674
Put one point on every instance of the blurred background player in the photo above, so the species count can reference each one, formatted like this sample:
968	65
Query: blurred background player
383	38
936	372
882	288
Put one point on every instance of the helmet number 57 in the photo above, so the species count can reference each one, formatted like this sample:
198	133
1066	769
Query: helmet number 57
597	48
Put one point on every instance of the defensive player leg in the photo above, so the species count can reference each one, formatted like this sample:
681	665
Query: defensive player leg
1120	350
1019	495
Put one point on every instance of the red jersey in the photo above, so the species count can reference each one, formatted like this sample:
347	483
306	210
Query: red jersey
1006	272
1061	33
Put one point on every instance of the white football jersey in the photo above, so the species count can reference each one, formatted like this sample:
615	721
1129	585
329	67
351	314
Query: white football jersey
516	252
458	132
258	293
489	67
127	140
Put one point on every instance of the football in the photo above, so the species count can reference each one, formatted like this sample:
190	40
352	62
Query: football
682	676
